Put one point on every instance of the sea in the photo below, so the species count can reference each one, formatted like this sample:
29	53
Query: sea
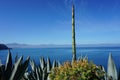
98	55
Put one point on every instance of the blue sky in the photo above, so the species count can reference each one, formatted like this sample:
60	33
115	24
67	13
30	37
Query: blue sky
49	21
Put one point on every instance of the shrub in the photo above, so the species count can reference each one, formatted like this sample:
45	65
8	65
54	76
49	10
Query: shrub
78	70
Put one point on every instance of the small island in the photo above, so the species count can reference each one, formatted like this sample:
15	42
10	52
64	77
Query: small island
3	47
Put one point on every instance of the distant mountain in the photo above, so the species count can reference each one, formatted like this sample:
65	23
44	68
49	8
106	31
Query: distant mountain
3	47
98	45
16	45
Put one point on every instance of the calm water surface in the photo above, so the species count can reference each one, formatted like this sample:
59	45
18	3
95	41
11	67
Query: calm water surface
98	55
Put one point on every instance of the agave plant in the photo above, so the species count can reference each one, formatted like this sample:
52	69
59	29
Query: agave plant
13	72
40	72
111	70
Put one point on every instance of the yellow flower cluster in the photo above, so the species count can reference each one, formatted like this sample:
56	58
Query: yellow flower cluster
78	70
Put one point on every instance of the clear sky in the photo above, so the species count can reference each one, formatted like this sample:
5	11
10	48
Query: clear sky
49	21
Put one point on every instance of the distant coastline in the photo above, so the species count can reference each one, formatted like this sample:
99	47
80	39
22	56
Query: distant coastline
16	45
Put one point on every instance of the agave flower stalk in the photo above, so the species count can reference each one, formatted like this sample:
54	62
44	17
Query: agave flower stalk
73	35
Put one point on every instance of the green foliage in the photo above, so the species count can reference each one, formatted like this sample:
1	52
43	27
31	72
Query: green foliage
78	70
13	72
41	72
111	70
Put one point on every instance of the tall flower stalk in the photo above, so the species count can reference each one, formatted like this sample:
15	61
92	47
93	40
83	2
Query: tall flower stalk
73	35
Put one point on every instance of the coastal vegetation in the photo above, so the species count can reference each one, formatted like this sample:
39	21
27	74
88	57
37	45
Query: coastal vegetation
42	71
13	71
78	70
81	69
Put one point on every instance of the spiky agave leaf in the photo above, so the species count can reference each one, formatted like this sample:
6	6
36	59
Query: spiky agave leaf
8	67
42	62
49	65
2	70
54	64
36	73
33	65
112	71
15	70
59	64
2	67
105	76
40	72
45	74
23	68
26	76
102	75
85	58
19	69
33	74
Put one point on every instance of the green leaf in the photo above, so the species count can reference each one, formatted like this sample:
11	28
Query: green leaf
15	70
24	68
112	71
33	65
42	63
49	65
8	67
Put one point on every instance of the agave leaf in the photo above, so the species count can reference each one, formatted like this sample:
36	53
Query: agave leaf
49	65
16	67
23	68
2	67
32	76
8	67
112	71
104	77
80	57
2	70
26	75
54	64
29	76
38	74
59	64
44	77
85	58
42	63
34	73
33	65
48	78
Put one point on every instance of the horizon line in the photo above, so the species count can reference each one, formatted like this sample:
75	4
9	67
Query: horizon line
61	44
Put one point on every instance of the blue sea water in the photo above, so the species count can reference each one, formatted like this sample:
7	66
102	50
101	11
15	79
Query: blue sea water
99	55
